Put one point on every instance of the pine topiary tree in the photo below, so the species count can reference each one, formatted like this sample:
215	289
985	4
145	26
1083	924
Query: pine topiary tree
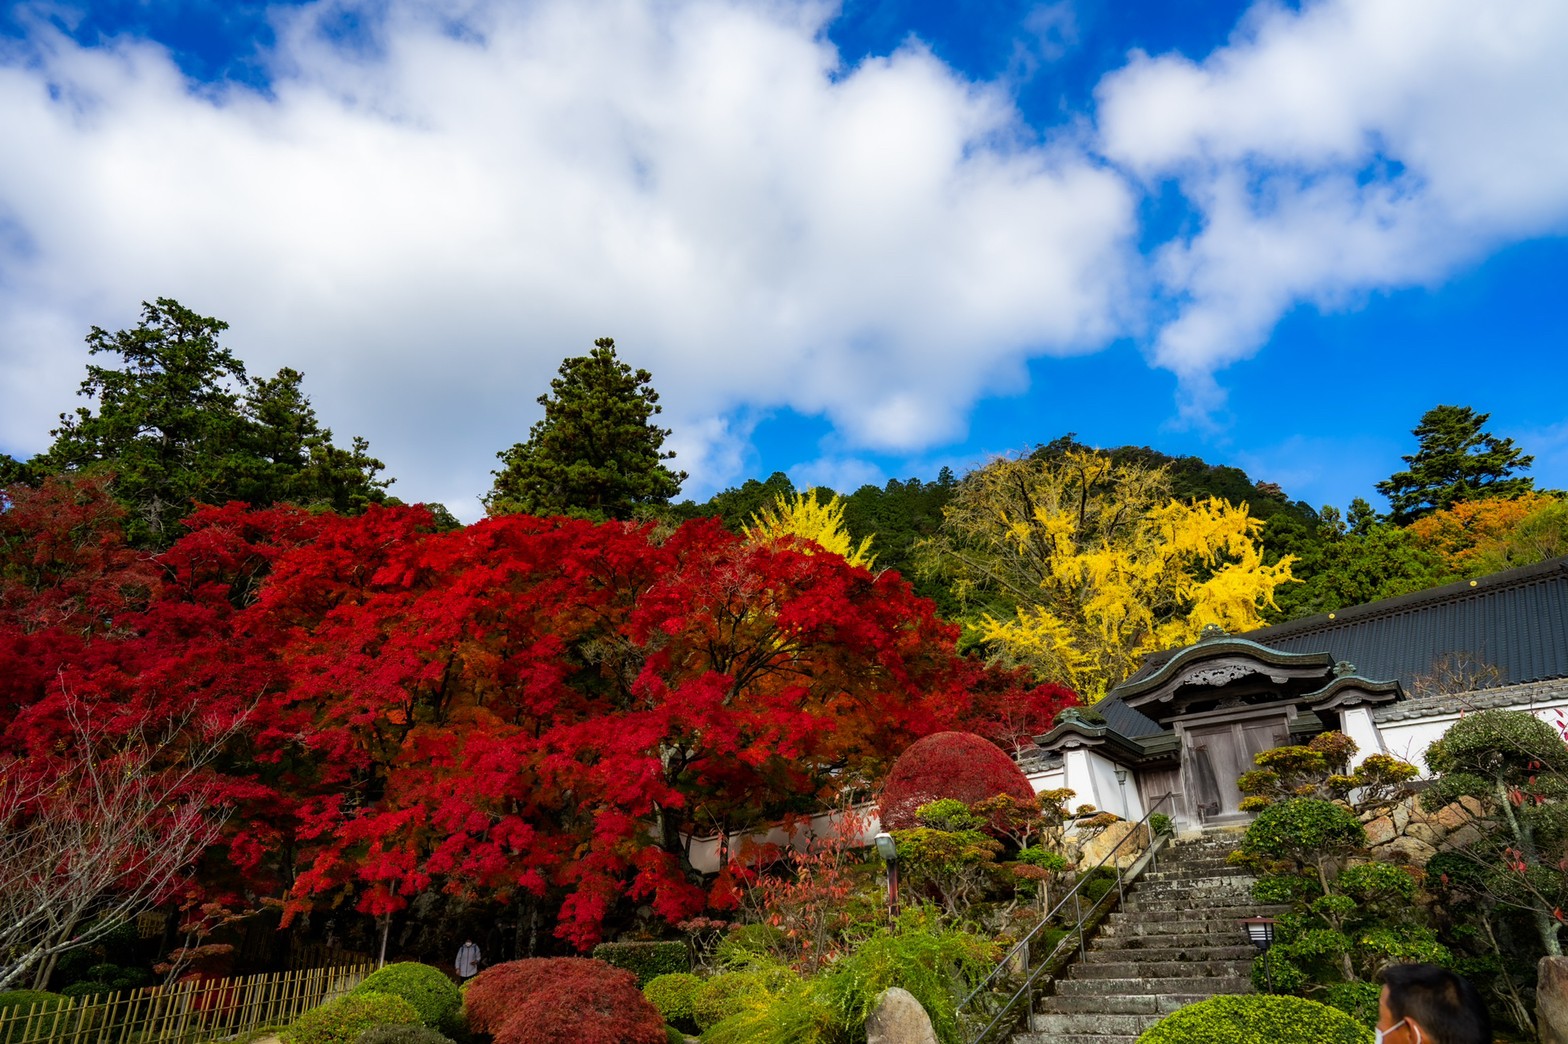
1457	461
596	454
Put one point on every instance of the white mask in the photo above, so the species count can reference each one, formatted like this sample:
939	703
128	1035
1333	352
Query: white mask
1378	1035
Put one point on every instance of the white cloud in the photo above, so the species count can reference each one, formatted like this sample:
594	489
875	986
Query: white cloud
1355	145
427	222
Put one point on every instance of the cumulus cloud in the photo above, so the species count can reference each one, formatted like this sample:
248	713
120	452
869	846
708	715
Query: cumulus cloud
1354	145
426	217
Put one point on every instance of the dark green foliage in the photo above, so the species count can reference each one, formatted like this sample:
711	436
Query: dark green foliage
86	988
732	993
674	1036
901	514
1257	1020
41	1004
1343	569
736	506
596	453
179	422
397	1034
1160	823
341	1021
433	995
1356	999
672	994
1457	461
1304	831
646	960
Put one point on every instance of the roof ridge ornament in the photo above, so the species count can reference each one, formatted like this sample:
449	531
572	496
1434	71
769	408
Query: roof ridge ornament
1344	669
1212	633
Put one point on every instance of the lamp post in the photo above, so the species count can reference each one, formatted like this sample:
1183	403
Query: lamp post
1260	933
1121	782
888	850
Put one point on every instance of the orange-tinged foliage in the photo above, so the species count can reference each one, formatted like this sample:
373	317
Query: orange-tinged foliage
1465	532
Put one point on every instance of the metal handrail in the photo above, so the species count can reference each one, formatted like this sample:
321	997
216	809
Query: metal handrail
1077	928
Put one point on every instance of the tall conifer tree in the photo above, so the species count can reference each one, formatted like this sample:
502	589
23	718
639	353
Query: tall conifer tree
1457	461
596	453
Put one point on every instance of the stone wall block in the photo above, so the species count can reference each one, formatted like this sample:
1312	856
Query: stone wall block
1402	816
1453	816
1406	850
1380	831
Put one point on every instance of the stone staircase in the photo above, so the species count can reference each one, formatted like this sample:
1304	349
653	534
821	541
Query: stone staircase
1175	941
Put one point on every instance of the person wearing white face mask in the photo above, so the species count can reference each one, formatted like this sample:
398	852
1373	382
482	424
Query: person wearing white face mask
1425	1004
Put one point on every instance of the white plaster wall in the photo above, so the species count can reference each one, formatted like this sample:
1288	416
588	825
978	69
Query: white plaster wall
1357	723
1410	739
1050	779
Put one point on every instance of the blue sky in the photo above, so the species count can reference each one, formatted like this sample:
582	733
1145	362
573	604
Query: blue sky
852	242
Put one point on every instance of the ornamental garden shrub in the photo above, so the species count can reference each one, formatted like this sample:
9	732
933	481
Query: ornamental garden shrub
19	1002
731	993
561	998
672	994
585	1009
403	1035
433	995
646	959
958	765
342	1021
1257	1020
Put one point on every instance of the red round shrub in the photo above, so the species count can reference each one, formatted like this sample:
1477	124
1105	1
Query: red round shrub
956	765
586	1010
560	998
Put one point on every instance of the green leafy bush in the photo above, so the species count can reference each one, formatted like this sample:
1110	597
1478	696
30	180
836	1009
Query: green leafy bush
733	993
646	960
86	988
743	942
1356	999
43	1005
1257	1020
947	814
1160	823
1304	830
433	995
672	994
342	1021
674	1036
403	1035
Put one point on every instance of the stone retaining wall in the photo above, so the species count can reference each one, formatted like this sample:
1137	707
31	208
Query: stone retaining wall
1410	834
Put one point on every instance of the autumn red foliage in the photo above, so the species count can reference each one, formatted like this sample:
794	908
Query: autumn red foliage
956	765
561	998
523	709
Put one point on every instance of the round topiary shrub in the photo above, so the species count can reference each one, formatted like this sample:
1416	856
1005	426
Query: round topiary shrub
733	992
672	995
433	995
1257	1020
402	1035
341	1021
18	1003
958	765
490	997
586	1009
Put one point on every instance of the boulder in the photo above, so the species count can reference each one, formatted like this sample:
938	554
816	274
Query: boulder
1402	816
1100	846
1426	832
1473	806
1380	831
1551	1000
899	1019
1464	837
1453	817
1406	850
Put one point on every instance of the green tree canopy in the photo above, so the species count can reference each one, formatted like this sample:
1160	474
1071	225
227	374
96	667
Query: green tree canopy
179	422
596	453
1457	461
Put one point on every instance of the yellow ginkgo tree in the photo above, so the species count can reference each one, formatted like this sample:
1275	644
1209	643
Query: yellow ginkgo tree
805	518
1078	566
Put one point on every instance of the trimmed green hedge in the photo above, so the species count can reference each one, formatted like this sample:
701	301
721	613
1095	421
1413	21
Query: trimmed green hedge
433	995
646	960
672	994
19	1002
1257	1020
402	1035
343	1020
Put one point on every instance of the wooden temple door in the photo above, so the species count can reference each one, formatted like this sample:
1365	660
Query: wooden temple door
1214	757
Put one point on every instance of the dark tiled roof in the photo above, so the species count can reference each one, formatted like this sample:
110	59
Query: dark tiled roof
1126	720
1522	695
1516	621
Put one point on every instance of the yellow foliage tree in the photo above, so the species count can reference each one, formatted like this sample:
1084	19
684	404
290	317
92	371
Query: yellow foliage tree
803	517
1080	566
1476	537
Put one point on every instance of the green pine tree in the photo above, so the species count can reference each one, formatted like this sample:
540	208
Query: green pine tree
179	423
1457	461
596	454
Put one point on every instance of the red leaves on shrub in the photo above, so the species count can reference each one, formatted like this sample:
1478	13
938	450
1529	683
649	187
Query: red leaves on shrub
956	765
550	999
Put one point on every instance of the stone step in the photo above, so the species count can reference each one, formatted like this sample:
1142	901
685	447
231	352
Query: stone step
1129	1004
1194	970
1211	985
1106	951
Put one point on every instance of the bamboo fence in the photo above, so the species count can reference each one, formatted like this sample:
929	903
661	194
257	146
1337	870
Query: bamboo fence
183	1013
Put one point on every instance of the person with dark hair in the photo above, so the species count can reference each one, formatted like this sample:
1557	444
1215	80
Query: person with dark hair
1425	1004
